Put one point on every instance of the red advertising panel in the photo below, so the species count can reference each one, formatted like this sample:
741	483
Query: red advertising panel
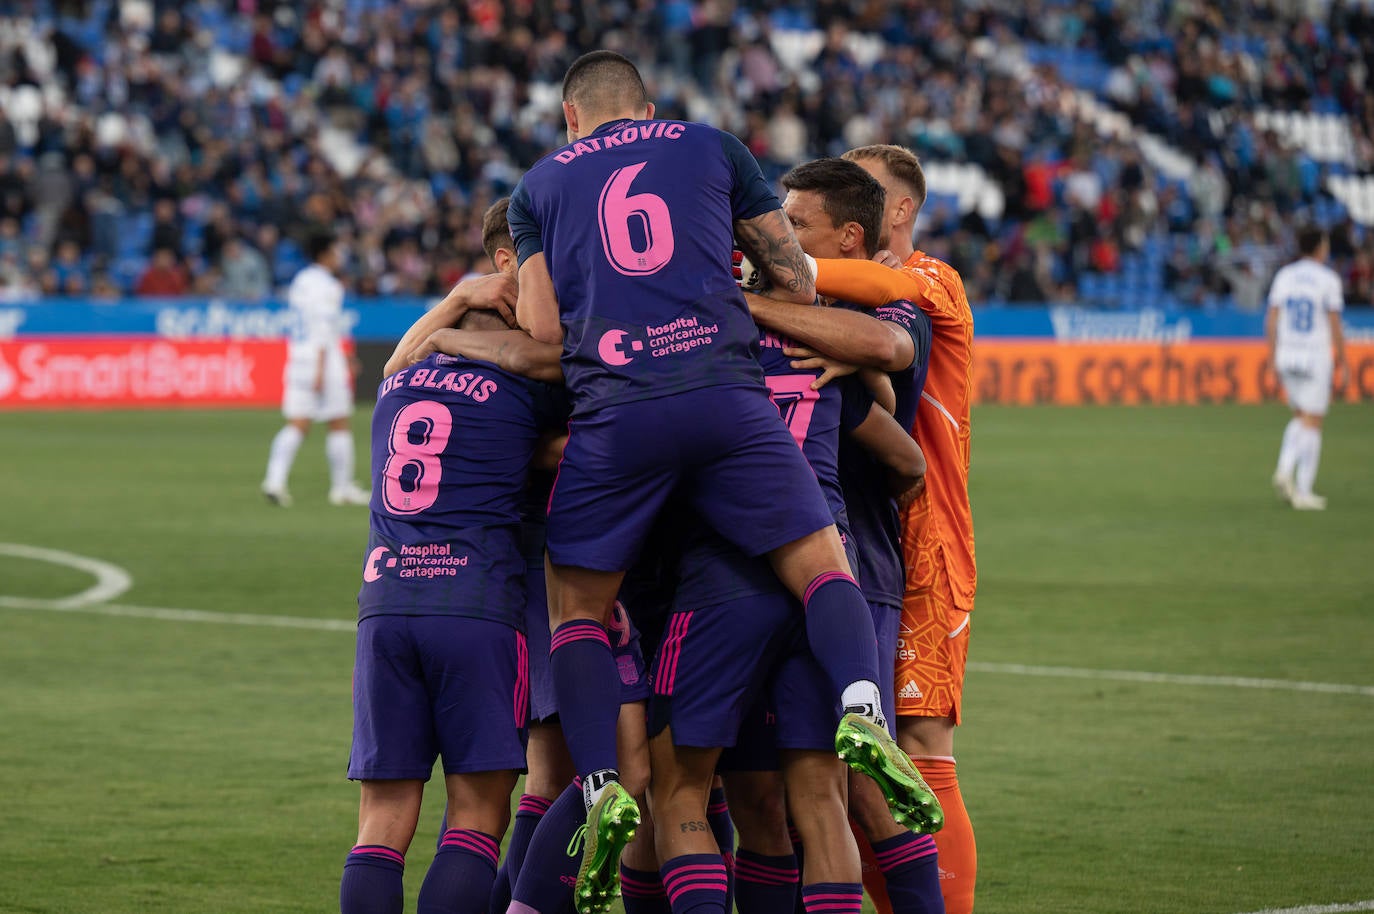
86	373
1201	371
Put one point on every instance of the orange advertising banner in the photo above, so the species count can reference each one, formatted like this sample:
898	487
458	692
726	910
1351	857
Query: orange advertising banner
1024	372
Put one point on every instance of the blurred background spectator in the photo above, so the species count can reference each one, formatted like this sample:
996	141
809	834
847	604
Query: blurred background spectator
1119	153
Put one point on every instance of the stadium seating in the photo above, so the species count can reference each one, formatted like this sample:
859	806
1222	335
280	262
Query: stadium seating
395	124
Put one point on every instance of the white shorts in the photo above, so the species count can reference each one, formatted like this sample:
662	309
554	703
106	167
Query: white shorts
300	400
1308	387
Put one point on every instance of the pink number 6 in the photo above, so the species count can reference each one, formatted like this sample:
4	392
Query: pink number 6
419	434
619	214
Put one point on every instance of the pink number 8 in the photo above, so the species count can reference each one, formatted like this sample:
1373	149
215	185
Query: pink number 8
411	476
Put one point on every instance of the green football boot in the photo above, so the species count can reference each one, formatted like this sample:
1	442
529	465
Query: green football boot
611	824
869	749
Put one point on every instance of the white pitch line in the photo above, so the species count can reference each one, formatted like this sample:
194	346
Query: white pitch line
1235	682
1321	908
217	618
110	580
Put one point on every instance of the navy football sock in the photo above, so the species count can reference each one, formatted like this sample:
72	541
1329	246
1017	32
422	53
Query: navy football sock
718	817
764	885
642	892
546	878
459	880
587	684
908	862
695	883
839	628
371	883
833	898
527	816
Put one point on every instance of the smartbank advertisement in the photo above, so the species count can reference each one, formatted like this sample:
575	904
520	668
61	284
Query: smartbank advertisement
198	353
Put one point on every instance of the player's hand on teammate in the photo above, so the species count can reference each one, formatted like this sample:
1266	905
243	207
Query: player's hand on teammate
448	341
888	259
805	359
490	292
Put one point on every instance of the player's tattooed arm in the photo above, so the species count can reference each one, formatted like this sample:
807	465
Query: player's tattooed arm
513	350
771	245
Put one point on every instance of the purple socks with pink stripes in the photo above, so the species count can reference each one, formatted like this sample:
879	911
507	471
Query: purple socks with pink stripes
527	818
371	881
765	884
695	883
459	880
642	892
839	628
833	898
908	862
587	684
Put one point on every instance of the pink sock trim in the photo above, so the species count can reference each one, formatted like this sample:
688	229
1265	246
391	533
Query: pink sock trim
820	581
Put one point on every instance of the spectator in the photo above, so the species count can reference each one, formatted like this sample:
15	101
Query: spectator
244	275
164	276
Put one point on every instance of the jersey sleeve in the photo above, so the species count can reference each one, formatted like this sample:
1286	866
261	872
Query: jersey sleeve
1335	298
904	313
855	402
524	230
863	282
750	194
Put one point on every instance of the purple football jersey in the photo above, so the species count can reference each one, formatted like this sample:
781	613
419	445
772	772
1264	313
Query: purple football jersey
636	222
452	441
873	516
713	570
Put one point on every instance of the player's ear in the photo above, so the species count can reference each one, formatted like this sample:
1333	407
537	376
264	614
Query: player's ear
905	210
851	237
505	261
649	112
570	116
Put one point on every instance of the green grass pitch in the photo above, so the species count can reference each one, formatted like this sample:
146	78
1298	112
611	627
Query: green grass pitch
151	765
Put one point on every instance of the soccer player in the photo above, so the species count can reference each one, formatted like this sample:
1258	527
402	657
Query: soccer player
318	384
624	239
733	622
937	528
549	813
1307	350
838	209
441	666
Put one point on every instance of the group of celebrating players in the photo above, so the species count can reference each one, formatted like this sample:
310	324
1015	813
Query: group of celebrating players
669	545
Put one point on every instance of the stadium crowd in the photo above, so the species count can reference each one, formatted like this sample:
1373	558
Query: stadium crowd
159	148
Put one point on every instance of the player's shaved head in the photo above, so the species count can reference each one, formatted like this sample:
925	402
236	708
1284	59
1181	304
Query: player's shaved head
901	163
848	194
482	319
604	82
496	229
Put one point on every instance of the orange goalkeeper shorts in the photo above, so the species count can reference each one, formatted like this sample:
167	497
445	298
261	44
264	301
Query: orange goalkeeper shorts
932	646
